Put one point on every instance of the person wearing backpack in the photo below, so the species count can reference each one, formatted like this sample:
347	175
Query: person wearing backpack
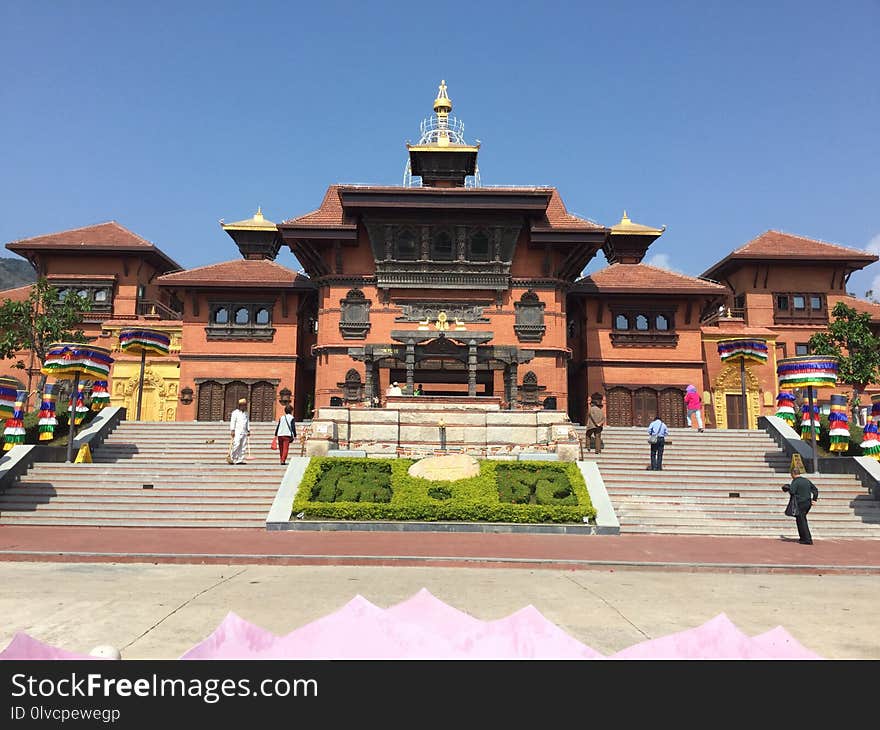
285	432
657	433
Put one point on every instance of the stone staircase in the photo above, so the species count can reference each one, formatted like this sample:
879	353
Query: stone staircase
722	482
192	485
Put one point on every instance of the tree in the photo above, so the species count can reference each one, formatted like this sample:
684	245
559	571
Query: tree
849	338
38	321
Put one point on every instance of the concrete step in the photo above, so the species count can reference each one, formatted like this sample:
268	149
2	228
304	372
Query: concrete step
140	521
111	509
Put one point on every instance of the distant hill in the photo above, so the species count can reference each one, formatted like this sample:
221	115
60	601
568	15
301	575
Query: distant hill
15	273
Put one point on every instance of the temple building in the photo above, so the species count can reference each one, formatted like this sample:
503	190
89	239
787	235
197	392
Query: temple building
451	290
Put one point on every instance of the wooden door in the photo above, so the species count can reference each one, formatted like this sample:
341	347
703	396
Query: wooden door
672	409
210	406
735	412
619	408
234	390
644	406
262	401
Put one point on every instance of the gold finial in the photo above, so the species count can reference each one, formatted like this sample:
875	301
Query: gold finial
258	216
442	104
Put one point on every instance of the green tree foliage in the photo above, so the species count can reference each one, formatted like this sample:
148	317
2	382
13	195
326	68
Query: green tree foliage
850	339
38	321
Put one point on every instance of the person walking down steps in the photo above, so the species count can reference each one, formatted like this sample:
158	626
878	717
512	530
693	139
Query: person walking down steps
285	432
657	433
239	430
694	404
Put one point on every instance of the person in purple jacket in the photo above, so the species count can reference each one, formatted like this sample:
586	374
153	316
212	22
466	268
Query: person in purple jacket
694	405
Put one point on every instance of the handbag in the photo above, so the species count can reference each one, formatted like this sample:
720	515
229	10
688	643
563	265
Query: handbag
792	510
274	443
652	438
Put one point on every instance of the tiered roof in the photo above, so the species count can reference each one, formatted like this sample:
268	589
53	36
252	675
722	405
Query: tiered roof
643	278
239	273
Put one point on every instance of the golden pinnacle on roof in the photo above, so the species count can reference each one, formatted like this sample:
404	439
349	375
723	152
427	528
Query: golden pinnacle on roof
442	104
627	226
257	223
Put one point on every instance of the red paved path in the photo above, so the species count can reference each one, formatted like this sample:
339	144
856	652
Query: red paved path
669	552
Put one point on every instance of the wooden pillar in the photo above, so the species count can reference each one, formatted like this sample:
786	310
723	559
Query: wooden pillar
472	368
410	366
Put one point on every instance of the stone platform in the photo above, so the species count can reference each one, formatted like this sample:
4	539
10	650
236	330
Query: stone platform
466	425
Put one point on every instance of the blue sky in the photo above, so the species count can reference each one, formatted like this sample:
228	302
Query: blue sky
717	119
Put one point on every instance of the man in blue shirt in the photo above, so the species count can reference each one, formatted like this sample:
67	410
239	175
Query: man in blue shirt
657	433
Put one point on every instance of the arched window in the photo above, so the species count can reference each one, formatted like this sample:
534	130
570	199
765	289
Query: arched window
242	315
221	316
641	323
662	323
262	316
406	246
478	247
621	322
442	248
101	295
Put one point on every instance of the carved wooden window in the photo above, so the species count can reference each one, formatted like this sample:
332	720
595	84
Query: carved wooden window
441	247
99	296
643	328
478	247
530	390
240	321
619	408
800	307
210	406
354	320
352	387
262	406
529	323
407	246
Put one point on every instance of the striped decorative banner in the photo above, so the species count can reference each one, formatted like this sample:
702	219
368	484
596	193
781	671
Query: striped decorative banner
748	349
871	433
838	424
144	340
8	391
70	358
805	421
47	413
14	432
785	407
807	371
81	407
100	395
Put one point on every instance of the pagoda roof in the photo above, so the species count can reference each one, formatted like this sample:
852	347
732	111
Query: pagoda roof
779	246
860	305
109	237
332	213
240	274
644	279
18	294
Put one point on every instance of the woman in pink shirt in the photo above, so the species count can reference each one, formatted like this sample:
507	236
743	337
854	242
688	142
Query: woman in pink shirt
694	404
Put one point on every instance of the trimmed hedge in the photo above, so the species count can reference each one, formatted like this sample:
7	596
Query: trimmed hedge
563	492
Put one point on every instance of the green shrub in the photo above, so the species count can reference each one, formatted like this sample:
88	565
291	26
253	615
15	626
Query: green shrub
385	491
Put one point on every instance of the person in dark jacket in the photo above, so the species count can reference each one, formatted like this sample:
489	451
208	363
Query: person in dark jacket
806	494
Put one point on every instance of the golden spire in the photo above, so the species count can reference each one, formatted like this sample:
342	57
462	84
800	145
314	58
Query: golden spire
442	104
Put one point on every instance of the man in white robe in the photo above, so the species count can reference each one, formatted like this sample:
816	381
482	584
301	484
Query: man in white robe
240	429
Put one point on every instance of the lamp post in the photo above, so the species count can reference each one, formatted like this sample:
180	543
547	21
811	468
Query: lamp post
143	341
76	359
742	349
808	371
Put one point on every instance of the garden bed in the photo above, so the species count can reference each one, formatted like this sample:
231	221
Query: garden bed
381	489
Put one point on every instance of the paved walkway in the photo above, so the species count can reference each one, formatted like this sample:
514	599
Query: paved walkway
246	546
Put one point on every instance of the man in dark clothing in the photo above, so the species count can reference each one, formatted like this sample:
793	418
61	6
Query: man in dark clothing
806	494
595	422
